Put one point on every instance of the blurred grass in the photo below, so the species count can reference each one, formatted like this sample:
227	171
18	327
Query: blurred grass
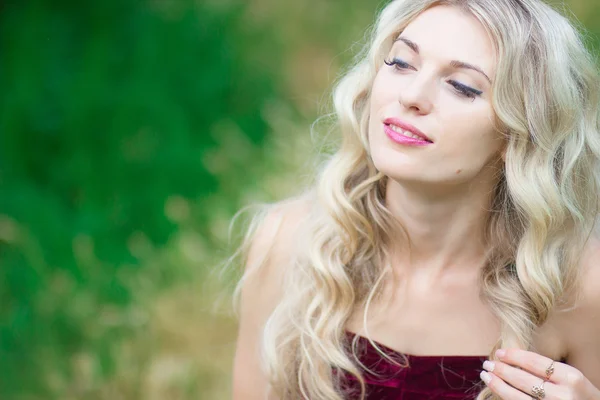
130	133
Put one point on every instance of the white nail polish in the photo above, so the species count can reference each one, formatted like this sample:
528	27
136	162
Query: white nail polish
485	377
488	365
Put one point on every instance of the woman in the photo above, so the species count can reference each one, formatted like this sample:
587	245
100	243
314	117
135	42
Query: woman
451	237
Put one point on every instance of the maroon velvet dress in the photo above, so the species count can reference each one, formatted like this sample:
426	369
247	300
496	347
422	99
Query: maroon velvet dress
426	377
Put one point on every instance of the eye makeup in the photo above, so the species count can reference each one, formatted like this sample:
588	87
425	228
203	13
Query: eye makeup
460	88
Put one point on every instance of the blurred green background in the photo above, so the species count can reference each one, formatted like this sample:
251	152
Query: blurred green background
131	131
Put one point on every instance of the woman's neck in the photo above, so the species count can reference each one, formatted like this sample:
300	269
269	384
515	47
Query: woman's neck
440	230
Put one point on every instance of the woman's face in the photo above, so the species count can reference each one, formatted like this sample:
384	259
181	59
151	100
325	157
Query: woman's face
438	83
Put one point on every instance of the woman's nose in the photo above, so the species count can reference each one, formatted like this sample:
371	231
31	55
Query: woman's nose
417	94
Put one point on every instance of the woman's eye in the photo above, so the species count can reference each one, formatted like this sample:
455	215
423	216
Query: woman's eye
464	90
460	89
397	63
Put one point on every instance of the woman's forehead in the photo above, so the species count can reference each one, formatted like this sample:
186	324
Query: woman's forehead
450	33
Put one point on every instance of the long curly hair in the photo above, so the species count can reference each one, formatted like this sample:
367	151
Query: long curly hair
545	205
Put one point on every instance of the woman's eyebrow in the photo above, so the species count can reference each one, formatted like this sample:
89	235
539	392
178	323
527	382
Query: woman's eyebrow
454	63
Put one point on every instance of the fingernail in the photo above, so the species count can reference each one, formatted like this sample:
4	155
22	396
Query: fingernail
500	353
485	377
488	365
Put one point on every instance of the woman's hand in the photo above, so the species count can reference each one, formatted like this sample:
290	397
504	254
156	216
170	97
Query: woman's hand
521	374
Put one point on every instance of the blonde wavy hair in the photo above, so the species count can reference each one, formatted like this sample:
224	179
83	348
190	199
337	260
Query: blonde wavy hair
546	102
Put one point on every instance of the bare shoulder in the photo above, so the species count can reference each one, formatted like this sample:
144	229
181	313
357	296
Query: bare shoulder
274	236
580	325
270	254
591	274
588	300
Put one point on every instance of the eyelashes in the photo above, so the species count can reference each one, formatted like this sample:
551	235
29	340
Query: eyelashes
461	89
399	63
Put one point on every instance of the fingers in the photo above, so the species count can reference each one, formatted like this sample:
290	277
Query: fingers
501	388
534	363
520	373
518	380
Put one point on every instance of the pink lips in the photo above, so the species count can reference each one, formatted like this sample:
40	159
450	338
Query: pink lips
399	138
